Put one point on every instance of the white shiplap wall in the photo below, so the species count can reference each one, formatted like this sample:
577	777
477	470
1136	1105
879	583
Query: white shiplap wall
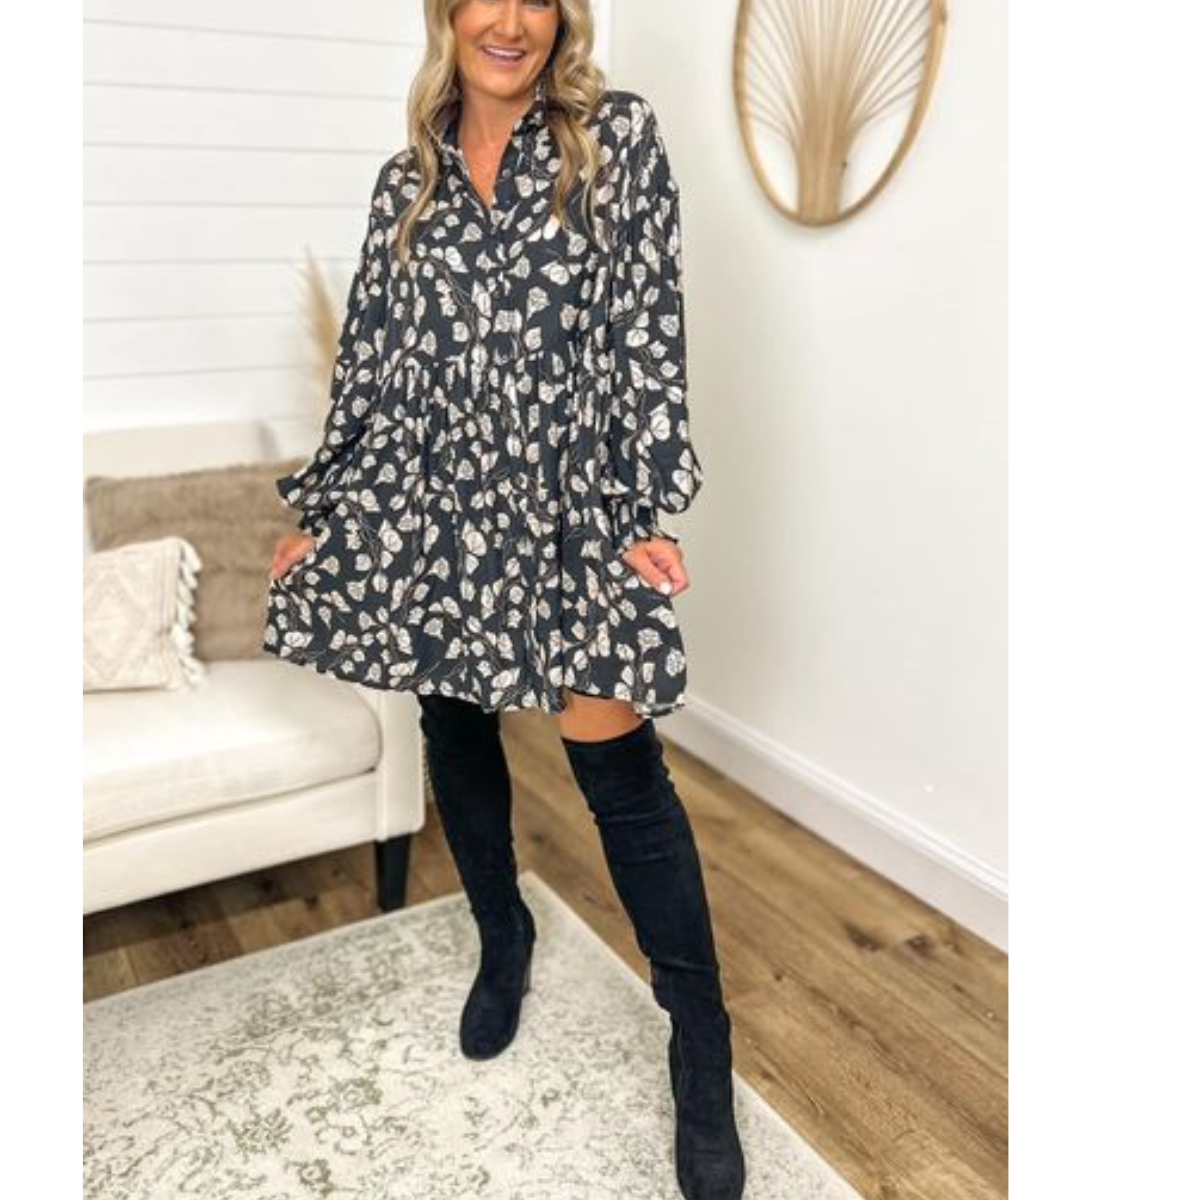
221	140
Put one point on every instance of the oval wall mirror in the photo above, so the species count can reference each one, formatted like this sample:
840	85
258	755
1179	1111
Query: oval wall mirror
830	95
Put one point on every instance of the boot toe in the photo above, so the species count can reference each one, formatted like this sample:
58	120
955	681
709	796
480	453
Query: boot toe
489	1024
712	1173
492	1013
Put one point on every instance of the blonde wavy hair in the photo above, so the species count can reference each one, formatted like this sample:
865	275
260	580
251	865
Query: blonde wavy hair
574	86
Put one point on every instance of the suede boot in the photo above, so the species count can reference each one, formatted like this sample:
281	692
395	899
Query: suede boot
469	779
651	854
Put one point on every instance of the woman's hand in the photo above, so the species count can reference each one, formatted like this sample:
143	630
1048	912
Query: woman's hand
659	561
289	550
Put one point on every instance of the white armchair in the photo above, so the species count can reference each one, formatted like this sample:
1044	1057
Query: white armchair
262	763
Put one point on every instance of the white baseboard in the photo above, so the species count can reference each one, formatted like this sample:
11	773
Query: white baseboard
955	883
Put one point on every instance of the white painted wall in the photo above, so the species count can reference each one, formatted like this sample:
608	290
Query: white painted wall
846	626
222	139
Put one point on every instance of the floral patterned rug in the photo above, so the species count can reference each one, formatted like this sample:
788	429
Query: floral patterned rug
329	1067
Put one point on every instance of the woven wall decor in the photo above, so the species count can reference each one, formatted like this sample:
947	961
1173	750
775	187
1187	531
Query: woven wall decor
830	95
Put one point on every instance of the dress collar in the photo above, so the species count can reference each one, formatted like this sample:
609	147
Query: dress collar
531	120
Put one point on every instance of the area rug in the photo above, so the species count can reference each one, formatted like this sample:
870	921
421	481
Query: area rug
329	1067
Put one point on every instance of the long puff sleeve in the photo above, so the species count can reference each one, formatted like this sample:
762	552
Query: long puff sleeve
653	467
315	489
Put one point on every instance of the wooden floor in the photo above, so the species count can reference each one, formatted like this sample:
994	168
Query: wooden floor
875	1025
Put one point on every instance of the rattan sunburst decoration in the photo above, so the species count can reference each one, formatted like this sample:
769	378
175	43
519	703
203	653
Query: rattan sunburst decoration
830	95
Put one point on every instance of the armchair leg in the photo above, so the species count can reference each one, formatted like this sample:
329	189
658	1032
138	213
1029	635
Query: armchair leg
391	871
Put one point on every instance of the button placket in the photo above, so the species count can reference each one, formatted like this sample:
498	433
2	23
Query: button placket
495	220
502	210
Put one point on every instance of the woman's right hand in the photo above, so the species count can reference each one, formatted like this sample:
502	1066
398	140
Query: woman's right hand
289	550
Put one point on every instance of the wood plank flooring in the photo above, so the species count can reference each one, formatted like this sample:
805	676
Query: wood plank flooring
875	1025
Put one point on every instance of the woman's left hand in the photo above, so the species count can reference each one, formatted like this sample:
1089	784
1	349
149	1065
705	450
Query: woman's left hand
659	561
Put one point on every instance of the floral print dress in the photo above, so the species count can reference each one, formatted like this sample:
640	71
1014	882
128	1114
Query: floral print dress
509	414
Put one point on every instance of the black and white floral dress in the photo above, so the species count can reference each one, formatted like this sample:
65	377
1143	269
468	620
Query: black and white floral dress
509	414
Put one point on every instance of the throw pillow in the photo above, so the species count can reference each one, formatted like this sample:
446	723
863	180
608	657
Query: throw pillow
137	616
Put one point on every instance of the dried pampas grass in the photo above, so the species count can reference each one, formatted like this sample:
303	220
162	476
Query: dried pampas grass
323	328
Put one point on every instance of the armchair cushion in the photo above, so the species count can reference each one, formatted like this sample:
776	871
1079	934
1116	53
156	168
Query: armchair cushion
247	731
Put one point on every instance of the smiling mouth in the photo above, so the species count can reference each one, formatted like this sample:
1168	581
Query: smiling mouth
499	54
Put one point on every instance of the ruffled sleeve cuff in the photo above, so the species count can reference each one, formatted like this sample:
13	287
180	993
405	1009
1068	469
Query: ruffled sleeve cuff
302	492
635	521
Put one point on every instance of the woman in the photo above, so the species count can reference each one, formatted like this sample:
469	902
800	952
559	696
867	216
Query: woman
480	523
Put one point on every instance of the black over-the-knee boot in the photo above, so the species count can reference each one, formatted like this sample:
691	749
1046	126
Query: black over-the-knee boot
652	857
469	778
